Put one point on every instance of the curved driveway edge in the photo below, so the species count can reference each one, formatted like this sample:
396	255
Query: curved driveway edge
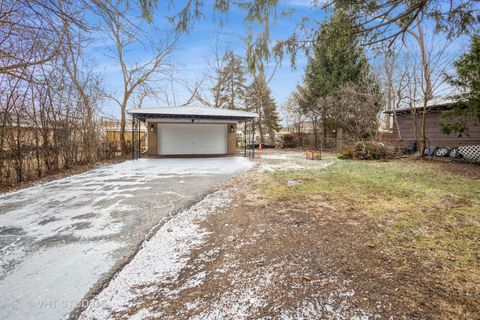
61	240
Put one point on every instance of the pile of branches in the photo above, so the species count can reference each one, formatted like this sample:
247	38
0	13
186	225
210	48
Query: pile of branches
368	150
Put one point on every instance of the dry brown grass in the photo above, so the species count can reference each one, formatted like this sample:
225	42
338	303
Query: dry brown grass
387	240
424	218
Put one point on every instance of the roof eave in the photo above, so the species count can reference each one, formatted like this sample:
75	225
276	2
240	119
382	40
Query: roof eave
158	114
144	116
409	110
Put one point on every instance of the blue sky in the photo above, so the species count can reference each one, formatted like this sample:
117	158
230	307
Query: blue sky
194	50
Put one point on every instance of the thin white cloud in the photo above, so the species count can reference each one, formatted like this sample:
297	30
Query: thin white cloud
305	3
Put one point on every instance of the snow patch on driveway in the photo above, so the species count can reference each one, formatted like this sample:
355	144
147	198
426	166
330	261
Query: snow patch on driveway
58	239
159	261
68	277
91	205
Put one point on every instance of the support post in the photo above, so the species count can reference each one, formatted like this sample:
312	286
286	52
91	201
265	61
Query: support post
133	135
339	140
245	138
139	139
253	138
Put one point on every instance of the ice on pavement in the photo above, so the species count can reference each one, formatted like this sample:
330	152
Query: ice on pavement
58	238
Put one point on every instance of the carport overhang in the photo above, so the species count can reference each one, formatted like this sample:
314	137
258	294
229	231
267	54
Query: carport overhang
191	115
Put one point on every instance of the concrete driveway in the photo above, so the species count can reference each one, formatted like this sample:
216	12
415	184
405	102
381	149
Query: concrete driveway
60	241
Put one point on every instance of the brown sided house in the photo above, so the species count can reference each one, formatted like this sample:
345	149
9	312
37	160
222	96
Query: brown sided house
111	129
190	131
404	128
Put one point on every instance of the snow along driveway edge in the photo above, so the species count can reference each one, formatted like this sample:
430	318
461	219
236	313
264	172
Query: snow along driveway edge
160	259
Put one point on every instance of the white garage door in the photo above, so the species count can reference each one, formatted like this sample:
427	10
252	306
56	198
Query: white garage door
195	138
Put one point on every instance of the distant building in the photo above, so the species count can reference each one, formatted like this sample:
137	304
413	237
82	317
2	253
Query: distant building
403	129
111	128
28	132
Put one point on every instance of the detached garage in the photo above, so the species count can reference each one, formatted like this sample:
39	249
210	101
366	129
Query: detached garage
191	131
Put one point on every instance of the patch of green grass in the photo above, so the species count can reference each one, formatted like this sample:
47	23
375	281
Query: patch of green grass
394	179
419	206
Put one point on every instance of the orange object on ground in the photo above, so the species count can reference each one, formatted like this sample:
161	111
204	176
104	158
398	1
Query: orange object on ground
260	148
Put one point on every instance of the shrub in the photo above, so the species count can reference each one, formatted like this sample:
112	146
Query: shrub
288	141
368	150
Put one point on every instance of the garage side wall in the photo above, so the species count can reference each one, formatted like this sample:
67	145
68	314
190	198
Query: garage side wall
152	139
434	133
232	139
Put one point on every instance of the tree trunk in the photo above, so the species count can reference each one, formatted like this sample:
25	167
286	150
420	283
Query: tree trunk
427	89
260	129
260	121
423	135
271	133
123	143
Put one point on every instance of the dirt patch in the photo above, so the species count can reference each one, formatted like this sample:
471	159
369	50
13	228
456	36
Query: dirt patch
455	166
299	245
312	258
351	240
470	170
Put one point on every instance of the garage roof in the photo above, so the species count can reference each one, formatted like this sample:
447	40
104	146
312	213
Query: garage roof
191	113
437	104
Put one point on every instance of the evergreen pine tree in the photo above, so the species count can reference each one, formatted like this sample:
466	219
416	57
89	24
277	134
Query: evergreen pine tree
259	99
231	84
338	60
467	79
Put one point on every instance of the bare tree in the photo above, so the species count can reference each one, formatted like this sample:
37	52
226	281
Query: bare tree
434	60
357	110
212	84
137	76
217	77
31	31
229	90
396	68
30	34
49	94
389	63
293	116
86	84
310	110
